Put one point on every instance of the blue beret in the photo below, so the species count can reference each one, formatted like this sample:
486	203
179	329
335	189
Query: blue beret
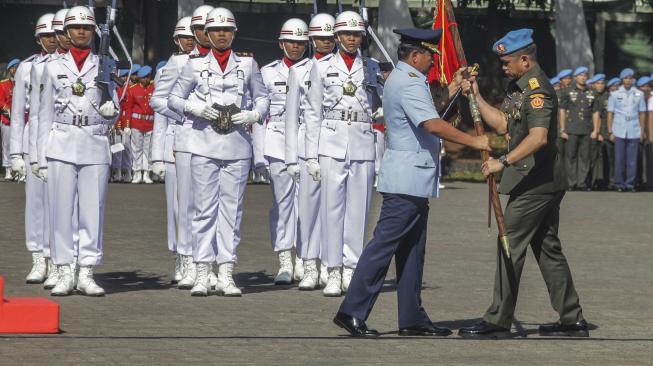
614	81
135	68
513	41
555	80
643	81
626	73
161	64
123	72
144	71
565	73
13	63
599	77
581	70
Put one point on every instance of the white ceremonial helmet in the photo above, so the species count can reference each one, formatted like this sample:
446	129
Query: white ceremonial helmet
321	25
349	21
182	28
221	18
79	15
294	29
199	15
59	17
44	25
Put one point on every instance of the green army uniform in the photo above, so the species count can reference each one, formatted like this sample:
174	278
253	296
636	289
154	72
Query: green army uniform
560	143
603	151
536	186
580	105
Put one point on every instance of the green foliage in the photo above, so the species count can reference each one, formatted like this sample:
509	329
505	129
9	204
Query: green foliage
505	4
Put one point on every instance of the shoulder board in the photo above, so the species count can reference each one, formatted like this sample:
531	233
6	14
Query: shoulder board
326	57
4	80
31	58
412	74
272	64
302	62
537	95
244	54
179	53
533	83
196	55
133	85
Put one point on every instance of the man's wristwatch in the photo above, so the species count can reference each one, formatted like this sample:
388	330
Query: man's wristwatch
503	159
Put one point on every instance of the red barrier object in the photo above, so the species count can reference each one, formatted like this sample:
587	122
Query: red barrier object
27	314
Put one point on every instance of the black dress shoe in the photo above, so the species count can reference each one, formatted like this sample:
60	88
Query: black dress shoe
425	330
485	330
557	329
355	327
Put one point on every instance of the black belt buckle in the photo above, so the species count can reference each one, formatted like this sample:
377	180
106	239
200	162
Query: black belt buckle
223	123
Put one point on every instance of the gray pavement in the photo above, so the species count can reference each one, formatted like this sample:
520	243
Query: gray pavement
607	237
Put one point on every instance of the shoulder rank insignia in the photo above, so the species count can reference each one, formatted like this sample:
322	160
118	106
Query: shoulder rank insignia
245	54
197	55
536	95
537	103
412	74
533	83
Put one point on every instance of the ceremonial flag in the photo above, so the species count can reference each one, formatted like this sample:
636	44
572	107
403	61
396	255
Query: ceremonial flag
450	58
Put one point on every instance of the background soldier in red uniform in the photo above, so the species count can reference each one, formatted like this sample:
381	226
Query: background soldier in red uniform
140	117
6	86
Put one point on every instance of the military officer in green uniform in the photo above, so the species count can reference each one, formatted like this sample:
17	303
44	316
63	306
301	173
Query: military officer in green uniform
579	126
534	178
602	147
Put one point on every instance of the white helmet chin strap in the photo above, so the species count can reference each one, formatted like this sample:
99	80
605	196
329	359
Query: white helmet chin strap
285	52
38	41
216	47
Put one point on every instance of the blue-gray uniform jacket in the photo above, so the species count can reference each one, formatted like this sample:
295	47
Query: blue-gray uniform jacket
411	162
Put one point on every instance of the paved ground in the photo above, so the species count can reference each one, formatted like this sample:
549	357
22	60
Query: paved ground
607	237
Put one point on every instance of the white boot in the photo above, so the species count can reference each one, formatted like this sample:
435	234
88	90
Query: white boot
188	281
226	285
334	283
202	284
127	175
74	267
64	286
213	279
53	275
138	178
284	276
8	174
146	177
324	274
116	175
177	273
347	274
310	280
86	284
298	275
39	270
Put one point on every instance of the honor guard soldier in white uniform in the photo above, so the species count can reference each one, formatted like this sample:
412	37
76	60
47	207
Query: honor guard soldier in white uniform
293	40
221	94
36	233
167	156
339	133
320	31
74	121
159	103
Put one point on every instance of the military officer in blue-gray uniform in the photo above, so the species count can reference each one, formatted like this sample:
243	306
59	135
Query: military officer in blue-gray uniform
408	177
626	115
534	177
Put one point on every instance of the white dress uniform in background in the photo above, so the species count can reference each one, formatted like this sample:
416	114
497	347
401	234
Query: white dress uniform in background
74	124
220	161
308	203
283	214
159	102
339	132
36	233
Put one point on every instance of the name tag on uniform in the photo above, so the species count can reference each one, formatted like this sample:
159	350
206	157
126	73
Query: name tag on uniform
62	77
280	83
307	83
333	74
116	148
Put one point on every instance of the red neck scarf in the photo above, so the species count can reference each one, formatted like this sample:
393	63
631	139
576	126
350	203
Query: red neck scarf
288	61
80	55
202	50
349	58
319	55
222	57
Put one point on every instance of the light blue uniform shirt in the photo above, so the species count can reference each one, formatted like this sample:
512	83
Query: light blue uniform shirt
411	161
626	106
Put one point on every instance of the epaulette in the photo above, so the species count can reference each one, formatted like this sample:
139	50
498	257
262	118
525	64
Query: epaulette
272	64
197	55
132	85
3	80
412	74
179	53
31	58
326	57
244	54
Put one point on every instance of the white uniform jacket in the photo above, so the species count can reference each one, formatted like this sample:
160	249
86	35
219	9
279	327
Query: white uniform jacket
275	78
163	135
70	126
18	141
36	80
163	84
203	81
339	125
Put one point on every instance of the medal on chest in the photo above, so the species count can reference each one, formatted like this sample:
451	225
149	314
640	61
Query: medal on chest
573	95
78	88
349	88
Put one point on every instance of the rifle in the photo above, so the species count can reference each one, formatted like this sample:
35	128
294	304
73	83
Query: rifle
495	202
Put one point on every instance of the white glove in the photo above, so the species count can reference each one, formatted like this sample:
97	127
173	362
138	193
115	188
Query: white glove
263	170
246	118
293	170
201	110
108	110
127	131
159	168
378	113
35	169
43	174
18	165
313	168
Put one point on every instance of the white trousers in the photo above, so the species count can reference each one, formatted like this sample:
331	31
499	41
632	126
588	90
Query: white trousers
218	191
345	195
141	149
89	183
126	155
283	214
172	205
5	133
185	207
37	230
308	209
379	144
